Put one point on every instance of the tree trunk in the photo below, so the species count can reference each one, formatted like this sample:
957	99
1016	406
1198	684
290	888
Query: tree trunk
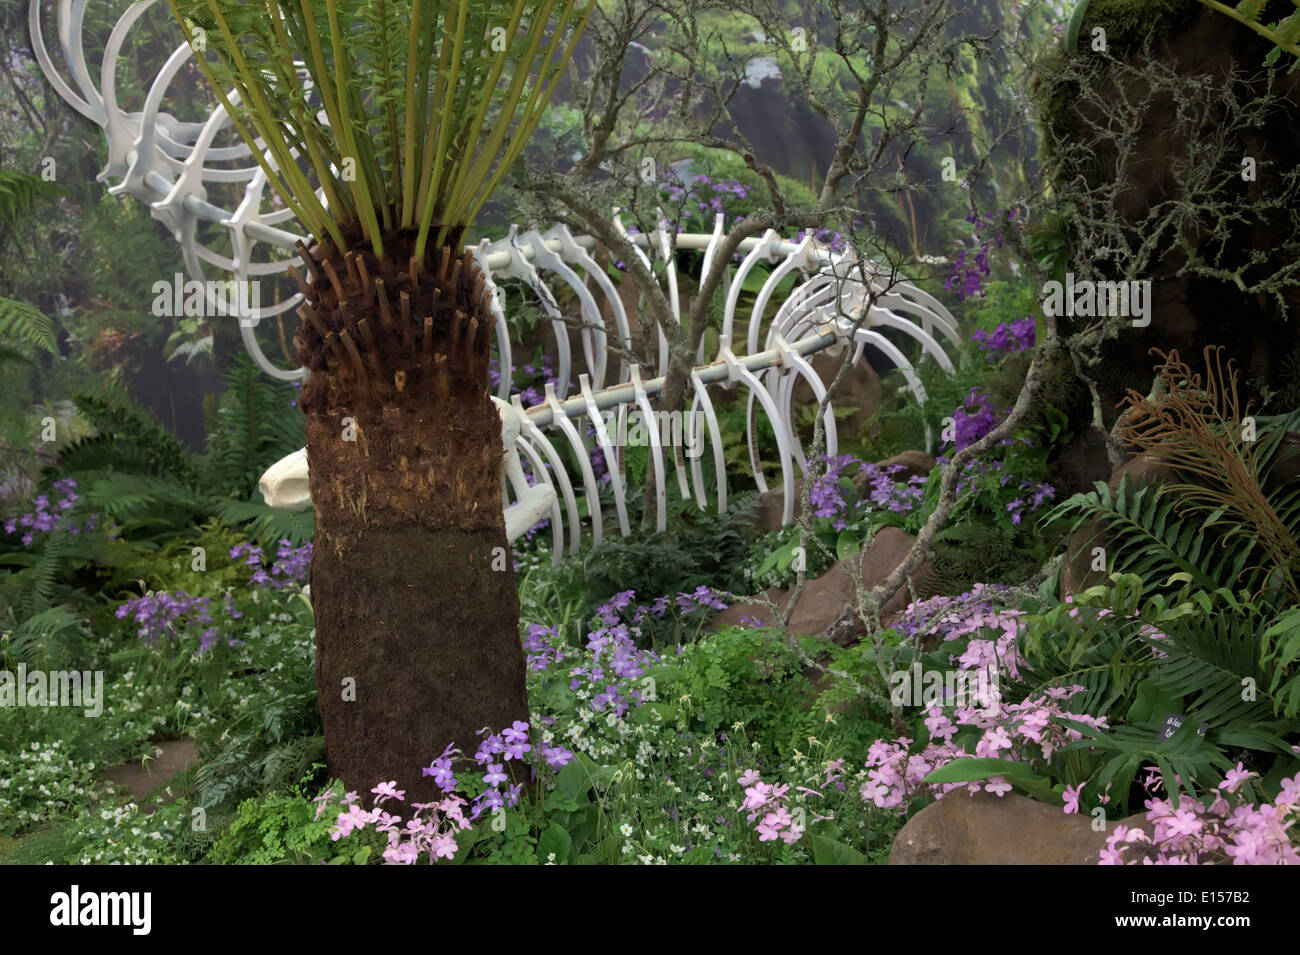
417	612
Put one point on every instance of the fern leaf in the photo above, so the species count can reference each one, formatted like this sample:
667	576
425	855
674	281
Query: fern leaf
25	323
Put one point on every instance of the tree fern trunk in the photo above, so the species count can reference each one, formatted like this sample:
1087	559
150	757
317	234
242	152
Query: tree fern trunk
416	608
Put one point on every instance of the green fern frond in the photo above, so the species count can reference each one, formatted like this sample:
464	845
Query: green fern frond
252	427
19	192
267	525
1283	33
24	323
1145	536
137	431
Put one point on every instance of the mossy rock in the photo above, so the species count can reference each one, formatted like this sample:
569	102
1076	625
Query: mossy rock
1128	22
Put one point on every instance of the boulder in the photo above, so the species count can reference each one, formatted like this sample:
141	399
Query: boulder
825	598
986	829
770	507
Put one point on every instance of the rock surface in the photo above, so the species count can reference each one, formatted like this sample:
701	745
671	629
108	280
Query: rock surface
825	598
985	829
172	757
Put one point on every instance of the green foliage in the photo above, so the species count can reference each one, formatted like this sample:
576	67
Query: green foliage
131	439
276	829
743	675
697	549
251	428
19	192
27	325
1202	656
1146	536
1126	22
1284	32
418	111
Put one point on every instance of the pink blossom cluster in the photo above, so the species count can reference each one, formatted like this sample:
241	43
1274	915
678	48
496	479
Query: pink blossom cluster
1216	830
431	829
767	807
1016	732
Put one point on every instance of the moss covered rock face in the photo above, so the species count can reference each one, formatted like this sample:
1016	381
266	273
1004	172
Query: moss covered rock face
1173	152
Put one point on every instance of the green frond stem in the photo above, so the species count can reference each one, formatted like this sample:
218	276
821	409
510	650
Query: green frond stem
531	119
428	191
360	188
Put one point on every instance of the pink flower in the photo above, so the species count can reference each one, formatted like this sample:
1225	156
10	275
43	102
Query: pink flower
1071	797
998	785
1235	778
388	790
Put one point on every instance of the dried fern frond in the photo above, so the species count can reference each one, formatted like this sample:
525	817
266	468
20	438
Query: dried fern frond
1197	425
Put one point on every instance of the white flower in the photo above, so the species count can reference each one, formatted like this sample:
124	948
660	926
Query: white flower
626	830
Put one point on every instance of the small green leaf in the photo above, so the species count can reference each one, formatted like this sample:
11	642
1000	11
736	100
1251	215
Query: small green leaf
554	840
830	852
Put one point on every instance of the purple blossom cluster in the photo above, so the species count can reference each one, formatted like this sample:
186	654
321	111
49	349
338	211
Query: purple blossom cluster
968	271
975	417
170	616
1008	337
1216	830
291	566
529	395
45	518
826	496
696	192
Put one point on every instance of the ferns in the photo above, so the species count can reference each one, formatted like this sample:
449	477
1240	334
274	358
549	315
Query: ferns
19	192
265	525
1144	535
26	324
1284	32
135	431
252	428
47	639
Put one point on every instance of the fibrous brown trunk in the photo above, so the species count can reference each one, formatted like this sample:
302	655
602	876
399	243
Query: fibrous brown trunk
417	613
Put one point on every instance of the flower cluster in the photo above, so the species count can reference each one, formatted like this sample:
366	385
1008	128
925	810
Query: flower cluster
1008	337
975	417
886	492
696	192
291	566
530	394
1015	732
171	615
968	272
432	827
768	801
1217	830
45	518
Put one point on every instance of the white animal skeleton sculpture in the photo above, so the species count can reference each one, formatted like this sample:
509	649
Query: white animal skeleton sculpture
837	301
